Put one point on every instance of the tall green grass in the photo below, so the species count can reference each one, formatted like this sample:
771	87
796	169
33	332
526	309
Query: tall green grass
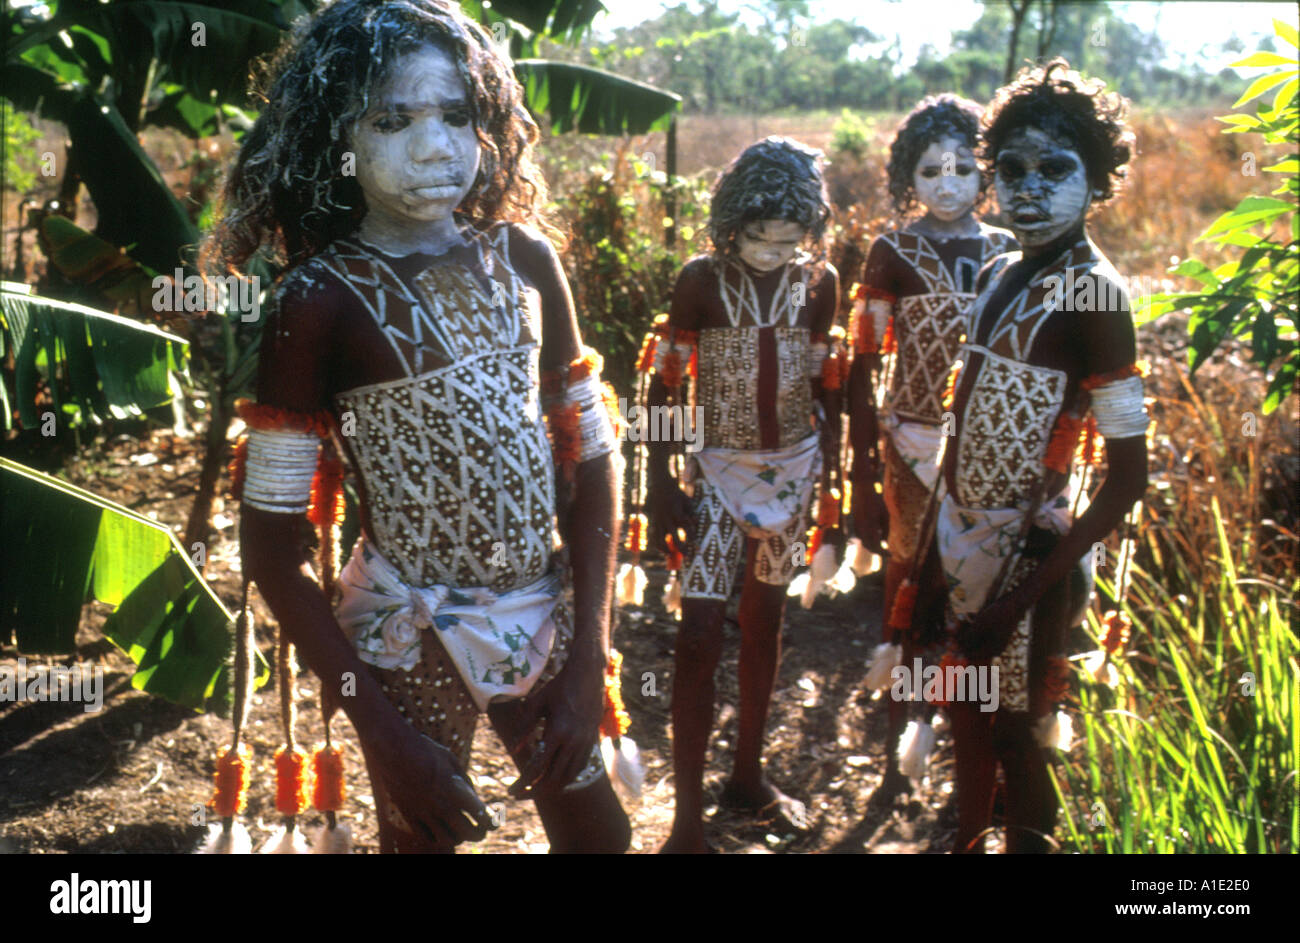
1196	750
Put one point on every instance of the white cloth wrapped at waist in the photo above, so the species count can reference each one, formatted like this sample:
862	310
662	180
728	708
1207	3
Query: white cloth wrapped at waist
919	444
763	490
499	642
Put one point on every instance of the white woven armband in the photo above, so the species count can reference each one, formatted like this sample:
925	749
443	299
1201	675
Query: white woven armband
279	470
1120	411
595	431
817	354
880	312
664	348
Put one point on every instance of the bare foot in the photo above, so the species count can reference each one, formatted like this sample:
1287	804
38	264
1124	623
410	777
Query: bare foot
764	800
679	843
894	784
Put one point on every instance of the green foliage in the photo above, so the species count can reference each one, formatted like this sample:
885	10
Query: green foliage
167	619
617	263
20	157
97	362
1255	295
578	98
1196	749
853	134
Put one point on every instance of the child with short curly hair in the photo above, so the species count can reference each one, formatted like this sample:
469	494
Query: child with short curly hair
755	316
1051	339
917	288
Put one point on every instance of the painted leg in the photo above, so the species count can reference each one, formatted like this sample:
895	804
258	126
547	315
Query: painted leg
976	774
699	646
895	782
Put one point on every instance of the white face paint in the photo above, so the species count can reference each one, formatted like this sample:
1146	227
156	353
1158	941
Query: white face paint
946	180
417	152
1042	187
765	244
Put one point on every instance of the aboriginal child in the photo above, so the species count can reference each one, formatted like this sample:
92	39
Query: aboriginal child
755	317
424	324
917	288
1051	339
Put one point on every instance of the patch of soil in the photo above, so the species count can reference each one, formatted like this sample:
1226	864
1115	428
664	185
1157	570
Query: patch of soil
135	775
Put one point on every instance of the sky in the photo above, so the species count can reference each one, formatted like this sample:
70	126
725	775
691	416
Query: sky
1193	32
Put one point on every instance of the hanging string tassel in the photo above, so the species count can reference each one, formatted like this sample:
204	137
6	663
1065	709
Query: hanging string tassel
900	614
231	781
291	802
914	749
631	583
885	657
232	763
328	793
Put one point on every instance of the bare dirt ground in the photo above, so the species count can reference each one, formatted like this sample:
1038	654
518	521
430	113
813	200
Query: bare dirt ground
134	776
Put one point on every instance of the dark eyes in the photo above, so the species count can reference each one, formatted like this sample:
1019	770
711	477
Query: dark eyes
961	170
1054	168
397	121
1010	169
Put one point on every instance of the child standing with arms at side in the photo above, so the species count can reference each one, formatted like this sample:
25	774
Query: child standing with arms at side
918	285
755	316
1051	339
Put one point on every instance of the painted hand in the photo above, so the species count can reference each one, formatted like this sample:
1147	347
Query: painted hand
431	791
987	634
571	706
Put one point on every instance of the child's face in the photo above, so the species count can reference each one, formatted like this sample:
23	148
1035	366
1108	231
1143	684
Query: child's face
1042	186
946	180
766	244
417	153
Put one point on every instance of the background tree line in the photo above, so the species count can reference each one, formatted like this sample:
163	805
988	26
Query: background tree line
787	59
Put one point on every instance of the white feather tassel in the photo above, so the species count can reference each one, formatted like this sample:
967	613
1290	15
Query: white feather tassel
286	841
914	750
332	841
823	568
1099	668
624	766
631	583
673	597
860	559
1055	730
234	841
884	659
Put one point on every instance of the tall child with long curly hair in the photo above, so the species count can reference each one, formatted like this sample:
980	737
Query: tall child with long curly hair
425	325
1051	340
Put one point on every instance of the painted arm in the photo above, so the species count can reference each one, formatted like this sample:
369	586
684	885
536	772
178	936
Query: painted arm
573	703
1107	345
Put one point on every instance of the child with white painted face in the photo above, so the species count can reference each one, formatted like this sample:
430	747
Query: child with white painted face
917	288
427	324
1035	363
755	316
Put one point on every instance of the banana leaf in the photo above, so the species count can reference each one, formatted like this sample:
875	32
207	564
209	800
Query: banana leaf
592	101
63	543
113	366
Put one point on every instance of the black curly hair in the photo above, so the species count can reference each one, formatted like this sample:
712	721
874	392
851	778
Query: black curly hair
775	178
934	118
1077	111
287	191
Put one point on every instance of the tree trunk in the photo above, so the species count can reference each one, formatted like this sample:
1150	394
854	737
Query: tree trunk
199	525
1018	11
